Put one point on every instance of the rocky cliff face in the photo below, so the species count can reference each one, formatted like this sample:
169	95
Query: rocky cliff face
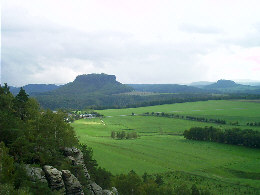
76	157
71	183
64	181
54	178
95	78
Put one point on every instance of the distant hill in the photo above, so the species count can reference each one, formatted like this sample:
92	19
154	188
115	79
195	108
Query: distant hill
166	88
104	91
93	84
34	88
250	83
85	90
229	86
200	84
222	84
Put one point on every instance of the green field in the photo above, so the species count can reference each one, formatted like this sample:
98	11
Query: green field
162	149
223	109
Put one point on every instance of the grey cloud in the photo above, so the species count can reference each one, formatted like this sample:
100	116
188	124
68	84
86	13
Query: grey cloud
32	46
190	28
251	39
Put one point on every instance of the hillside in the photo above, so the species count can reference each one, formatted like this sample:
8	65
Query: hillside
229	86
85	90
200	84
34	88
166	88
93	83
101	91
223	84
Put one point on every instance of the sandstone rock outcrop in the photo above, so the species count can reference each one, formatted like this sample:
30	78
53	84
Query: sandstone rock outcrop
95	189
64	181
72	185
114	191
107	192
35	173
54	178
76	157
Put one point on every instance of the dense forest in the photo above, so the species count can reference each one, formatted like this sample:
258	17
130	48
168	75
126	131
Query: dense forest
235	136
167	88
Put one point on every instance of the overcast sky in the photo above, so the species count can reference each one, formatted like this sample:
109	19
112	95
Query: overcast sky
139	41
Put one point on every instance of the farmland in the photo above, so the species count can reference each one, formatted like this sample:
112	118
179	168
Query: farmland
161	147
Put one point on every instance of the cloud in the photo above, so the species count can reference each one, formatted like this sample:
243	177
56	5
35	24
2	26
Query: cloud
41	52
191	28
165	44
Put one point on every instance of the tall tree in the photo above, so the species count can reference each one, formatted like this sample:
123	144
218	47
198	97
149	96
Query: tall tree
20	103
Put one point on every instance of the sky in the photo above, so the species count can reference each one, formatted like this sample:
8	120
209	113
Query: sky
139	41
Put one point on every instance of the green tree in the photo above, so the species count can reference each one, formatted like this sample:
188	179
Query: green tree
182	190
20	103
113	134
194	190
91	164
128	184
159	179
123	134
6	165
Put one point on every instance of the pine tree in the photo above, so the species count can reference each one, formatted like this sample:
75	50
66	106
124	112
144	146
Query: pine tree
20	103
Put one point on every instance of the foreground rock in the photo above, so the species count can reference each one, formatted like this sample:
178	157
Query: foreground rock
54	178
72	185
76	157
107	192
95	189
64	181
114	191
35	174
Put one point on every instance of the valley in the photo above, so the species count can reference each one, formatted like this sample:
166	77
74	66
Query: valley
161	148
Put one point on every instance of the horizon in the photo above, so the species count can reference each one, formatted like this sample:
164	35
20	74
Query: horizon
247	81
140	42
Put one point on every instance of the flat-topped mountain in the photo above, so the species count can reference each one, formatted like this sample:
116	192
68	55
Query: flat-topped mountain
229	86
93	83
85	90
223	84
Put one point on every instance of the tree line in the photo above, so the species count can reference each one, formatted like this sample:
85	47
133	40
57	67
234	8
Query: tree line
123	135
253	124
235	136
193	118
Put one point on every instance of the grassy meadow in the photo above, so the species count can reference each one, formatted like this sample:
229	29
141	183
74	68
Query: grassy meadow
161	148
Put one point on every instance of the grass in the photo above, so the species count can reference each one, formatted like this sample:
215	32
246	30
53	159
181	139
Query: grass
161	148
224	109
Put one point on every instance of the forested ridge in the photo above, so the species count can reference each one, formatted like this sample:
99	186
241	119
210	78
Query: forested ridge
167	88
101	91
34	89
